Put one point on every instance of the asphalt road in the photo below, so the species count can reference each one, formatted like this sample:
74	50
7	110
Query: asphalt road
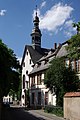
18	114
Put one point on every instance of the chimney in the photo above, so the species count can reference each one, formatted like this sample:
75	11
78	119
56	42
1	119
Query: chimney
59	45
55	45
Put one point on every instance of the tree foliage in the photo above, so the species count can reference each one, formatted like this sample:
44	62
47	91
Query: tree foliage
77	25
9	70
73	47
62	78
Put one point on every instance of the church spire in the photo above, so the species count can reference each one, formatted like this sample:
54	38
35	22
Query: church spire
36	10
36	33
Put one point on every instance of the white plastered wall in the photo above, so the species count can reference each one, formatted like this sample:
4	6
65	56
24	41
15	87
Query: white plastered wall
42	89
28	67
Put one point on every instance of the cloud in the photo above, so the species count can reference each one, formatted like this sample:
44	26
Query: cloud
43	4
2	12
68	28
69	23
55	17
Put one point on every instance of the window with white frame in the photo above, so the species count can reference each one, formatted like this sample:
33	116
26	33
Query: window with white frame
75	64
32	80
39	79
72	65
67	63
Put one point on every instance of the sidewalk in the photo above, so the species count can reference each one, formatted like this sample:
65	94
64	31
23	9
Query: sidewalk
44	116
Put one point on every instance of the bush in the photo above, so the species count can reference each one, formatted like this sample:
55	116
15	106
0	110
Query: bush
54	110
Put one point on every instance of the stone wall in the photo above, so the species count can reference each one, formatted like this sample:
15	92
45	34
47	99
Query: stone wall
72	106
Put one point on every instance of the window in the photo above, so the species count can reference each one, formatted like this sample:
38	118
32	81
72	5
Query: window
24	64
72	65
75	65
30	61
38	64
26	71
33	81
46	98
39	98
32	40
27	52
37	39
33	98
46	61
67	63
23	81
27	84
39	79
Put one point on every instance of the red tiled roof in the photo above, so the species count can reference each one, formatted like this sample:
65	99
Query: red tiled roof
72	94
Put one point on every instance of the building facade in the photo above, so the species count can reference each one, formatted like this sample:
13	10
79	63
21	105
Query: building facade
32	53
40	95
74	63
35	62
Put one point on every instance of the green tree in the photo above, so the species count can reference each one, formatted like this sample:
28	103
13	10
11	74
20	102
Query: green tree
62	78
9	70
73	47
77	25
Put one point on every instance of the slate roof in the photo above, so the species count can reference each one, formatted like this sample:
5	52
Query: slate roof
39	68
51	54
35	54
59	52
62	52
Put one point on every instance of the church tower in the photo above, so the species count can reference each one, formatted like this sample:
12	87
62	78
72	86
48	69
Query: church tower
36	33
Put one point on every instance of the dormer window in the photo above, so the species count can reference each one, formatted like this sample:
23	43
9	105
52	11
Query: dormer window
46	60
38	64
33	65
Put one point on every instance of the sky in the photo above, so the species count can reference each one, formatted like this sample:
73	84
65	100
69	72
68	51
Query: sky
56	18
